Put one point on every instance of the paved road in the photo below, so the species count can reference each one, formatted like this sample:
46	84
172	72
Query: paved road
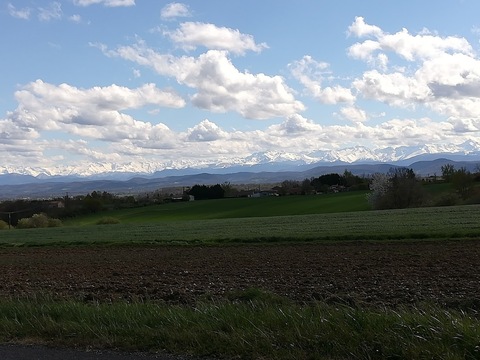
38	352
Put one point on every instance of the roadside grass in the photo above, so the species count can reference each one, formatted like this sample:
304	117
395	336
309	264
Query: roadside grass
258	326
421	223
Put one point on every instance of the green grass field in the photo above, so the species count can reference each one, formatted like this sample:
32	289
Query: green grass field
203	222
236	208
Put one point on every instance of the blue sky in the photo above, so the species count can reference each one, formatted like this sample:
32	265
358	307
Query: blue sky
149	84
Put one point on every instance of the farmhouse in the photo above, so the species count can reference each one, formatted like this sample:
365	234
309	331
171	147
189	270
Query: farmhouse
263	193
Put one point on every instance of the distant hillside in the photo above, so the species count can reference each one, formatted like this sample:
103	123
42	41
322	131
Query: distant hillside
31	187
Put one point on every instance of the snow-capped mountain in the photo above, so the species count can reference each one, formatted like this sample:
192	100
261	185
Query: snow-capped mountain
262	161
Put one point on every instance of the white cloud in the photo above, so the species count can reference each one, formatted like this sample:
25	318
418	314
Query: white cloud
85	150
131	140
95	113
353	113
394	88
193	34
444	75
310	73
107	3
220	86
23	13
52	12
361	29
75	18
12	133
465	125
175	10
205	131
295	125
409	47
440	74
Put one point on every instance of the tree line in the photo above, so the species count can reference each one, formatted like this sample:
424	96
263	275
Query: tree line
402	188
399	188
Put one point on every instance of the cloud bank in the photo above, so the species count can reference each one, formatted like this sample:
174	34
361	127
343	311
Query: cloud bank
440	76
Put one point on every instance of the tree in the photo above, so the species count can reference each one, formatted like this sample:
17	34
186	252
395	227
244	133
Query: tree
229	190
406	189
400	188
202	192
447	172
290	187
379	187
462	181
92	203
324	182
307	187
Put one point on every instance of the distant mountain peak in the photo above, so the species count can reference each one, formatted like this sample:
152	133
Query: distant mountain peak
274	159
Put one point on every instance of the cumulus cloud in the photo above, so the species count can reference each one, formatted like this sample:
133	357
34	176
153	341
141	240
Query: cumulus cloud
107	3
353	113
361	29
175	10
295	125
310	73
395	88
443	74
409	47
440	74
205	131
11	133
220	86
94	113
193	34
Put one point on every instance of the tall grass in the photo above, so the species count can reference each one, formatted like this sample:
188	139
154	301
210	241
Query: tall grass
262	327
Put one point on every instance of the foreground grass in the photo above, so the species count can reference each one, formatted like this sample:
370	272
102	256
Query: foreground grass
422	223
253	325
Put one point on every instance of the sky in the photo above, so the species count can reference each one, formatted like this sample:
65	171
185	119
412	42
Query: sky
155	83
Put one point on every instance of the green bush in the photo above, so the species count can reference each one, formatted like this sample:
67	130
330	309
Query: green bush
447	199
107	220
3	225
38	221
54	222
23	223
474	198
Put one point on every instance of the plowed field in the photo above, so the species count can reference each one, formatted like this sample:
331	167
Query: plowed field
385	274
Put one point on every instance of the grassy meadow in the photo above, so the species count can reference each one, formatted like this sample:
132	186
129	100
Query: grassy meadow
179	227
254	324
332	217
236	208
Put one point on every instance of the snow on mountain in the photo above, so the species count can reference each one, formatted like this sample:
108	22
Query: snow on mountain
359	154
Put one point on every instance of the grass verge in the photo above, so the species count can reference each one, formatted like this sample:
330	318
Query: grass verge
249	325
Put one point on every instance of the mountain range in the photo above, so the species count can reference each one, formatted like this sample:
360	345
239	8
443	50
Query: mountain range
259	168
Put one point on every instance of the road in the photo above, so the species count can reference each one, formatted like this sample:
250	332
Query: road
39	352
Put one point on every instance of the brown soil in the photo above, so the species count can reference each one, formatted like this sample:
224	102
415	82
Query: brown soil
384	274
